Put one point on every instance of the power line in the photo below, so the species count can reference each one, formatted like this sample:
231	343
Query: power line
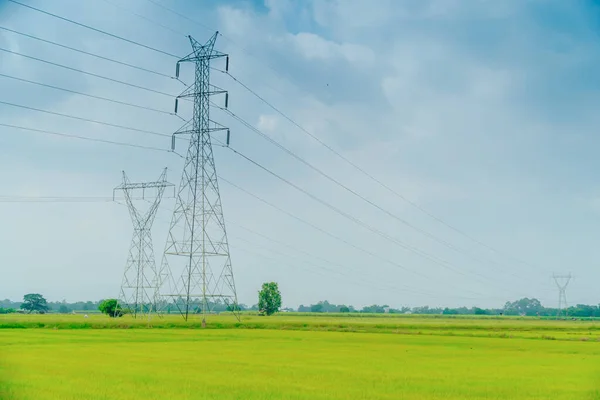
64	199
87	95
85	119
370	176
237	247
316	271
280	243
323	231
436	260
211	29
417	251
85	138
353	192
288	257
96	29
48	199
86	72
420	253
286	245
360	283
179	33
184	16
88	53
301	251
447	244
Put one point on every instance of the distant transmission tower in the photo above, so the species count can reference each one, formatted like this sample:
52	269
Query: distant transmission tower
196	273
139	284
562	281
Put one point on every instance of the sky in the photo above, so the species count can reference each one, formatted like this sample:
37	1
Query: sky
479	115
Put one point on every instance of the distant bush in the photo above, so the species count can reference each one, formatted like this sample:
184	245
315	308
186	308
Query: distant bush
111	308
7	310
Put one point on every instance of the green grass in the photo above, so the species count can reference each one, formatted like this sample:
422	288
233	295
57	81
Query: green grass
507	327
298	357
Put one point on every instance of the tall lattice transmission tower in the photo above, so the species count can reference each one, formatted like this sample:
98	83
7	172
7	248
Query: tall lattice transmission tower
196	273
562	281
140	278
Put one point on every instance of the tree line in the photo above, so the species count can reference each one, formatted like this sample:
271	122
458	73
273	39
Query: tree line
269	302
523	307
63	307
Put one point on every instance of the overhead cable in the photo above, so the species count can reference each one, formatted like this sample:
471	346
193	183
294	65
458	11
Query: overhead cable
85	138
124	103
86	72
88	53
95	29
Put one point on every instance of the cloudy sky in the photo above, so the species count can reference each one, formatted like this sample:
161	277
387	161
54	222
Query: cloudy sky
479	115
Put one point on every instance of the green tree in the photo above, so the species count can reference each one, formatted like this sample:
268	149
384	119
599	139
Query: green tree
524	306
63	309
269	298
316	307
236	307
34	302
111	308
375	309
344	309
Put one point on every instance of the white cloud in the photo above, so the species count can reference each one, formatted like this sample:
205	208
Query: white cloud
314	47
267	123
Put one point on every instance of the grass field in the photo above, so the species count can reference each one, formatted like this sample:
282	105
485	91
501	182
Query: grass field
298	357
505	327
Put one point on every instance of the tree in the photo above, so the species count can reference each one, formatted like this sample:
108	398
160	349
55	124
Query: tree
34	302
111	308
316	307
524	306
376	309
236	307
63	309
269	298
344	309
479	311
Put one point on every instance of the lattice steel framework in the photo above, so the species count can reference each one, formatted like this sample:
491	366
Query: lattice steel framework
140	279
562	281
196	271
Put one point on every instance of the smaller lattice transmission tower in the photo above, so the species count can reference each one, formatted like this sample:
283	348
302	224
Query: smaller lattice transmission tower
140	279
562	281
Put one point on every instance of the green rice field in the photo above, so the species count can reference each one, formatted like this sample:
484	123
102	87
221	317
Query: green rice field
290	356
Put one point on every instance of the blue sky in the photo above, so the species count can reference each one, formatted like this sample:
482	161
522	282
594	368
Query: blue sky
481	112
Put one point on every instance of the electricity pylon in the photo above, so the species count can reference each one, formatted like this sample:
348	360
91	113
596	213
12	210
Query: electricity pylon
139	284
562	281
196	273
